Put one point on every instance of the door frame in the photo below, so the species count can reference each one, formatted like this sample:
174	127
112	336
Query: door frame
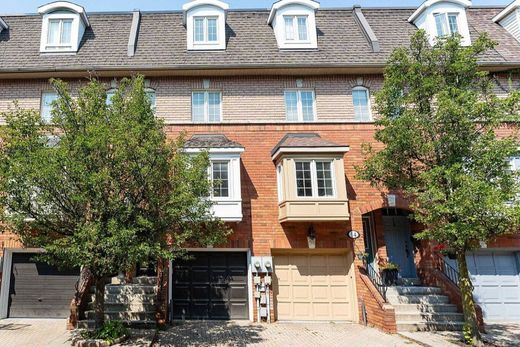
220	250
7	267
373	239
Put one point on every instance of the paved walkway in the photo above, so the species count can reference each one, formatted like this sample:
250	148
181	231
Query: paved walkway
34	333
497	335
205	334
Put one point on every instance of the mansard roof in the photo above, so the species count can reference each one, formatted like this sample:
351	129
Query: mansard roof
161	44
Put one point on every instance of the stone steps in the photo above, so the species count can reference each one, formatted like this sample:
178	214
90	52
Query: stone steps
124	315
429	317
418	299
403	290
422	308
127	298
426	308
147	324
129	306
430	326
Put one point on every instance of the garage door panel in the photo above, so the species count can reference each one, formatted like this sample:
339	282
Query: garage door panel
217	288
307	287
38	290
321	310
496	278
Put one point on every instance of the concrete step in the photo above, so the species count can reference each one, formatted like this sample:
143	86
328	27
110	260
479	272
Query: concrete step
141	324
149	280
418	299
125	315
424	317
426	308
408	290
429	326
130	306
127	298
131	289
409	282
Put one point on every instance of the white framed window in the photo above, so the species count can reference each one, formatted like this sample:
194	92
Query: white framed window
514	162
220	179
46	106
446	24
279	181
59	35
315	178
150	93
206	106
300	105
205	30
361	103
296	28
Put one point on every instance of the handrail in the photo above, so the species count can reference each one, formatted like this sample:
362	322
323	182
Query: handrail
449	271
376	280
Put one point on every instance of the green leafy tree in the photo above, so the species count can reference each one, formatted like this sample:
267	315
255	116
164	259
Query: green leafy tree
101	187
438	130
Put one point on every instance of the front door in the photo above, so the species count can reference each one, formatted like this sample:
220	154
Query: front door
399	246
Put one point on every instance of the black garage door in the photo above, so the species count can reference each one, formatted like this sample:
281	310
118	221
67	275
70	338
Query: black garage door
39	290
210	285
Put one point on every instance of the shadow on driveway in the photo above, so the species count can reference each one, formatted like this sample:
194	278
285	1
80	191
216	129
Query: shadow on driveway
205	334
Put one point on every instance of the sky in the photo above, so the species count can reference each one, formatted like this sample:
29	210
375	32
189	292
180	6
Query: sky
30	6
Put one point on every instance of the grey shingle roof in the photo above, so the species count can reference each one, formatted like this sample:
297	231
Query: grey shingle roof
211	141
251	42
303	140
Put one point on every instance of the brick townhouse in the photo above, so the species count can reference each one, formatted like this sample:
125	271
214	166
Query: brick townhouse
282	100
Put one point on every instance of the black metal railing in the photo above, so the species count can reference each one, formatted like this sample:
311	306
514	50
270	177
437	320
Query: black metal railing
449	271
377	280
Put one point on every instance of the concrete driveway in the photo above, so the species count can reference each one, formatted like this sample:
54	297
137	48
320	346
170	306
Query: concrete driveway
277	334
34	333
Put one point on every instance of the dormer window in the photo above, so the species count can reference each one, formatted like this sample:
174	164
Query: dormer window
296	28
59	34
443	18
509	19
294	24
205	30
446	24
63	27
205	22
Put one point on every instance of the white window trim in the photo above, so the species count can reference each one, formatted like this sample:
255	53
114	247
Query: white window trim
299	105
314	179
206	106
230	180
295	28
445	16
369	104
280	183
205	41
46	92
205	8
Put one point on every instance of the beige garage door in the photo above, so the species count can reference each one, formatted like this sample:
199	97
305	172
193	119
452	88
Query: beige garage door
314	287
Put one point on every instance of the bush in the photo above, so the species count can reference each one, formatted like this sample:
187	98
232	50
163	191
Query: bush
110	331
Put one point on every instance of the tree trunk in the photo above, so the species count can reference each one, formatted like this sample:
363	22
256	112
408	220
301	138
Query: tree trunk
99	302
471	332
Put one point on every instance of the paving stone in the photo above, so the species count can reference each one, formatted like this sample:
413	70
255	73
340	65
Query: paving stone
276	335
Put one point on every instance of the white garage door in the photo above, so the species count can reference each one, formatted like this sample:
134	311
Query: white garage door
496	278
314	287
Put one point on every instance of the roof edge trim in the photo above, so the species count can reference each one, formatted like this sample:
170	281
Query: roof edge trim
3	25
192	4
65	5
282	3
428	3
367	29
510	8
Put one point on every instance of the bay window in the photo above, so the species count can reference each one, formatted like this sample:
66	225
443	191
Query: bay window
220	178
314	178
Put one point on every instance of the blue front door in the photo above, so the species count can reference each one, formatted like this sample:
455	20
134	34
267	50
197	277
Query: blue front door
399	246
